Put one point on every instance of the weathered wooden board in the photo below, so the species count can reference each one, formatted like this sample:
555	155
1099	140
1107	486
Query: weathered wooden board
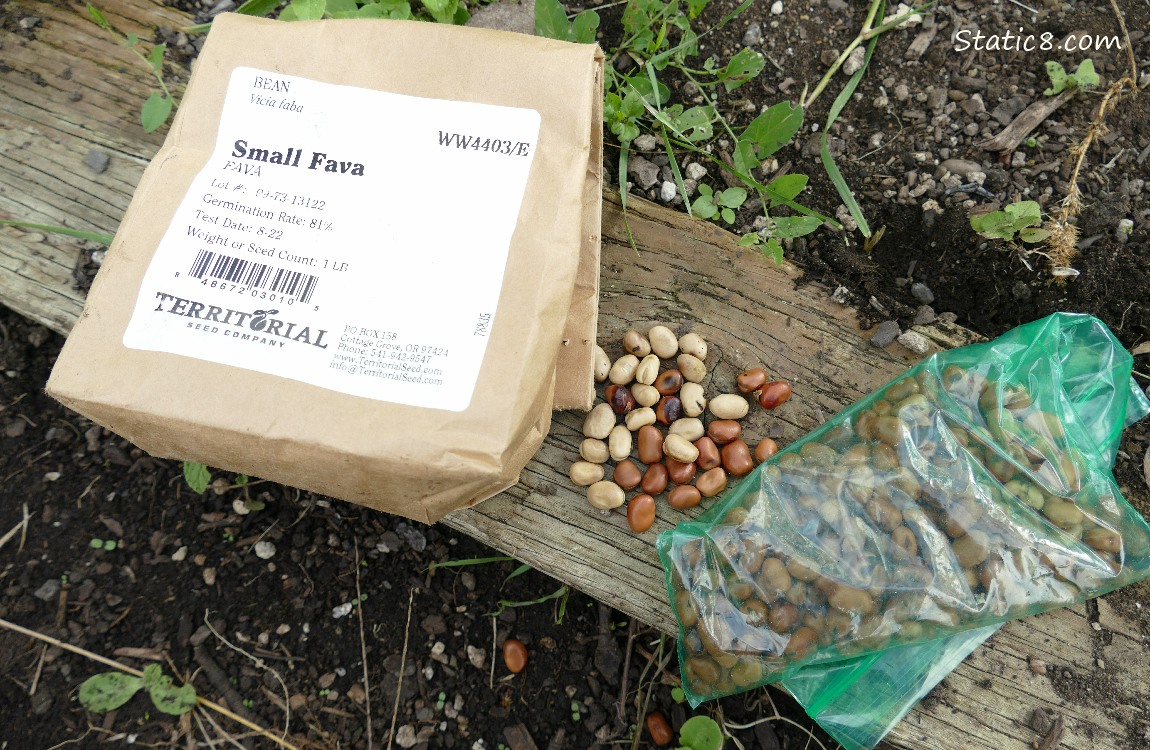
685	273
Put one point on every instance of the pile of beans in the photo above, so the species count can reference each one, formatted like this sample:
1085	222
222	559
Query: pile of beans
653	415
946	500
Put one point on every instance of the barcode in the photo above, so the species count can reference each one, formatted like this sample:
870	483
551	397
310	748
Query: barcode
253	275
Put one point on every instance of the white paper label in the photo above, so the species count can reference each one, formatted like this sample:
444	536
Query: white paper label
348	238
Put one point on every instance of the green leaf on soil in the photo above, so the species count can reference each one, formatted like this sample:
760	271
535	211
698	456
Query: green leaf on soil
468	561
743	67
197	476
443	11
155	111
701	733
1057	78
99	17
786	188
155	58
1084	74
678	695
108	691
795	226
168	698
304	10
774	128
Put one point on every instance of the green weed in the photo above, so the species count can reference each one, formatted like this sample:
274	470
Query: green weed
1021	219
700	733
158	106
1083	77
108	691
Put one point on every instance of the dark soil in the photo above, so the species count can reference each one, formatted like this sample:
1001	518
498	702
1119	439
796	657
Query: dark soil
181	558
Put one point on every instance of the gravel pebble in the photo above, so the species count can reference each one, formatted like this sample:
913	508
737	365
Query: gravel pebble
914	341
696	171
924	315
645	172
886	332
667	192
265	550
97	160
754	33
922	293
405	736
48	590
777	9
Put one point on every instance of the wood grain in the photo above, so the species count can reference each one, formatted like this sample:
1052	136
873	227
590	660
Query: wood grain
684	273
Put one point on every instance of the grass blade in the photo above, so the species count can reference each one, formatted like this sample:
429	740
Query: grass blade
103	239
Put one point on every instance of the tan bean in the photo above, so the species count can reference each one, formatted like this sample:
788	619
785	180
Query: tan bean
606	495
906	540
689	427
645	395
602	364
692	368
737	458
1062	513
684	496
619	442
627	475
723	431
599	422
623	371
694	401
802	569
595	451
585	473
650	444
669	382
851	600
712	482
639	417
709	455
775	579
747	673
729	406
655	479
693	344
886	429
648	369
680	449
663	341
685	609
641	513
636	343
971	548
1103	540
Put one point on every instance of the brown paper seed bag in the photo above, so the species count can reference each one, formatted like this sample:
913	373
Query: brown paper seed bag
356	262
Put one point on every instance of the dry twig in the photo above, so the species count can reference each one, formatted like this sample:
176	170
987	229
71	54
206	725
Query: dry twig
402	664
363	649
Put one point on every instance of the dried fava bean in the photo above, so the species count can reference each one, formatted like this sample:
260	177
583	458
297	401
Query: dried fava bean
1103	540
723	431
971	548
693	344
668	410
709	456
636	343
694	402
645	395
585	473
692	368
669	382
659	728
682	497
641	513
620	398
639	417
663	342
752	380
623	371
595	451
627	475
514	655
648	369
782	617
737	458
729	406
765	449
802	642
680	449
599	422
602	364
650	444
619	442
851	600
679	472
605	495
1062	513
774	394
689	427
655	479
712	482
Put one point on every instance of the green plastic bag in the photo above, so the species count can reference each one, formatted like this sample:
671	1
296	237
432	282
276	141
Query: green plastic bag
974	489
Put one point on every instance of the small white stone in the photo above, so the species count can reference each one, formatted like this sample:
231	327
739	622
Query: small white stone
668	191
476	656
210	576
265	550
283	629
696	171
52	476
914	341
777	8
239	507
645	142
342	610
405	736
180	554
854	61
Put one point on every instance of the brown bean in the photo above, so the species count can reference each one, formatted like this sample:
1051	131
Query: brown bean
751	380
851	600
775	579
684	496
620	398
669	382
712	482
737	458
1103	540
668	409
655	479
801	643
709	456
659	728
802	569
774	394
650	444
514	655
627	475
971	548
765	449
679	472
641	513
636	343
723	431
782	617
